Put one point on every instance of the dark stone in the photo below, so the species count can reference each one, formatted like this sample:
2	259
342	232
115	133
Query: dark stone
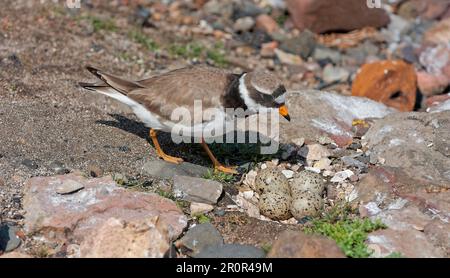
30	164
8	238
303	45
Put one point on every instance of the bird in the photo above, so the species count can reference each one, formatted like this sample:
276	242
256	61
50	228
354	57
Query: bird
154	99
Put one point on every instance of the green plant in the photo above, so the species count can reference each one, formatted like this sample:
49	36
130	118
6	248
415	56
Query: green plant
217	55
102	24
218	176
142	39
349	234
340	224
281	19
188	51
266	247
165	194
395	255
201	218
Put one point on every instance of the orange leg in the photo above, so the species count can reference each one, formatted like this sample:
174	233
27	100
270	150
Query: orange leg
161	154
217	165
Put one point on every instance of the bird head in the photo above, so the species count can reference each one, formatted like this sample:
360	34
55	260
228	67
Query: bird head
262	91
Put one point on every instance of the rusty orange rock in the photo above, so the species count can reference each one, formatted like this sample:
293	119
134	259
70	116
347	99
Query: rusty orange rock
392	82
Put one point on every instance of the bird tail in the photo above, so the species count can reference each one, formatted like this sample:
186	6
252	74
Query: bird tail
109	81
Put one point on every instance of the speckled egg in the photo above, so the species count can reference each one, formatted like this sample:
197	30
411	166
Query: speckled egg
275	205
307	181
271	180
306	204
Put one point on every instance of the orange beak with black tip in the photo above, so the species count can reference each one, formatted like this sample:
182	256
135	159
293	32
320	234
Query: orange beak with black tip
284	112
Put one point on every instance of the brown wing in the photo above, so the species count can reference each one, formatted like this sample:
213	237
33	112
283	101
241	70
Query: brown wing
179	88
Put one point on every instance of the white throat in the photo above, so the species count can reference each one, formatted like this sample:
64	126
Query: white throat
245	95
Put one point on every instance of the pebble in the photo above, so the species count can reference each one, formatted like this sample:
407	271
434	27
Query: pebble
299	142
244	24
199	237
288	173
30	164
200	208
333	74
323	164
302	45
95	171
248	194
351	162
287	58
342	176
68	187
58	168
312	169
8	238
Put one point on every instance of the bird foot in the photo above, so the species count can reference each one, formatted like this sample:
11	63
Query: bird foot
227	170
172	159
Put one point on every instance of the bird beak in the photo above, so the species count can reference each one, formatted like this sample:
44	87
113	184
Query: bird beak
284	112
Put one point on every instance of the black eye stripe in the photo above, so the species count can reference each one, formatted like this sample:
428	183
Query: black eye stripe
279	91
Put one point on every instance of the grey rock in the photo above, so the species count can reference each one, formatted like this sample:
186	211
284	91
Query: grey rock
200	237
69	186
410	141
30	164
8	238
58	168
165	170
325	53
231	251
316	113
222	8
352	162
302	45
333	74
244	24
196	189
245	9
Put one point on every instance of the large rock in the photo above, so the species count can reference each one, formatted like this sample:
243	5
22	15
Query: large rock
418	143
409	243
292	244
390	82
197	189
99	206
346	15
200	237
316	113
166	170
115	238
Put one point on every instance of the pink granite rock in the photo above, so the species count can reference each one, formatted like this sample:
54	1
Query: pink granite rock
75	216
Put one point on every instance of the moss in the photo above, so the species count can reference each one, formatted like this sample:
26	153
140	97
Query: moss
395	255
140	38
216	54
218	176
202	218
102	24
350	233
187	51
